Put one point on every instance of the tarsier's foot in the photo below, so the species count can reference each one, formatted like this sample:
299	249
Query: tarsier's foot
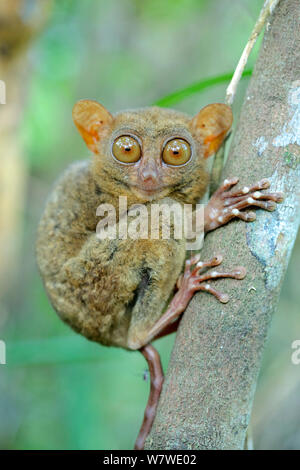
226	203
192	280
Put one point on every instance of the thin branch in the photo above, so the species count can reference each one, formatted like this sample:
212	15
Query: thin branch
267	9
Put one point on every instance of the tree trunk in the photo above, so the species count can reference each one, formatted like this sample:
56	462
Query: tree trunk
208	393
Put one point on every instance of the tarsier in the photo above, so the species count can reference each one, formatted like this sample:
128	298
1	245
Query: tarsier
117	291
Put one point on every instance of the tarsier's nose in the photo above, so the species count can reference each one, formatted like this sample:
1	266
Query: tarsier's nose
149	174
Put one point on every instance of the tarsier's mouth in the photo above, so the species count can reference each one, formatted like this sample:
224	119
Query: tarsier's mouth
149	192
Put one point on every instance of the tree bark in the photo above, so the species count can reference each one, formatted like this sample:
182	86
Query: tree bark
210	384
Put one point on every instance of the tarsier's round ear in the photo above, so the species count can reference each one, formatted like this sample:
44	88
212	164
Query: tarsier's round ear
212	124
91	118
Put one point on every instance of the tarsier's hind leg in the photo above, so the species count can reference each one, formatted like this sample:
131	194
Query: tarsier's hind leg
190	282
156	381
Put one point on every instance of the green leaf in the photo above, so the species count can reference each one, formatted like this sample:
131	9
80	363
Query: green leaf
196	88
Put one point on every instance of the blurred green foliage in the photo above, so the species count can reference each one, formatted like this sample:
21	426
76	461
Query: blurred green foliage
59	391
187	92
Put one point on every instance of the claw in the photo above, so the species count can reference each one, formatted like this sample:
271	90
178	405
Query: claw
217	260
264	183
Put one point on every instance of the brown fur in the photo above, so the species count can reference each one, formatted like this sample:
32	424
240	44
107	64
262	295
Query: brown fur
113	291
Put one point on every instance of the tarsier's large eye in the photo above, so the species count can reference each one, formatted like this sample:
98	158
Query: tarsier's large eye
126	149
176	152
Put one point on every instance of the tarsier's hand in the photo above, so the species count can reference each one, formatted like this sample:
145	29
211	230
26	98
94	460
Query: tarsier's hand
225	205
